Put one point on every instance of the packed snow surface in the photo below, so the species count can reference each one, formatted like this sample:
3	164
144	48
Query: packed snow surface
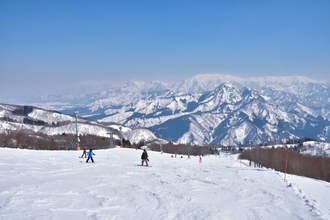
58	185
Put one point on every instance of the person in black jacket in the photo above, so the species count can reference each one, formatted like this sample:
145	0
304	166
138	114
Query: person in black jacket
84	153
144	157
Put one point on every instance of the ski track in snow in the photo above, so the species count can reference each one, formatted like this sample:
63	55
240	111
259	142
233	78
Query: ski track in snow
58	185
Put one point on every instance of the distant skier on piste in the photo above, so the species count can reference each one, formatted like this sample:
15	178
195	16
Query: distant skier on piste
144	157
84	153
90	155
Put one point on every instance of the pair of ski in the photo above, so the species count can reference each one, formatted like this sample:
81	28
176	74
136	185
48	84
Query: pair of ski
143	165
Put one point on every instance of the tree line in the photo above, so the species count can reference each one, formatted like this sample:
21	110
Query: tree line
289	161
26	139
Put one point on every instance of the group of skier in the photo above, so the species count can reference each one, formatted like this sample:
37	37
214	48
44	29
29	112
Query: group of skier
90	155
144	156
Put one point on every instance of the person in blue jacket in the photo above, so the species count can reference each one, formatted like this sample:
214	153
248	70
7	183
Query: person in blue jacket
90	155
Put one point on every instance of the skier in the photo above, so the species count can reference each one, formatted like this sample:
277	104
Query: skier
90	156
84	153
144	157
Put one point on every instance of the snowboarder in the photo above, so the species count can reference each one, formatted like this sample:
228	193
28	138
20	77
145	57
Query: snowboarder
144	157
84	153
90	156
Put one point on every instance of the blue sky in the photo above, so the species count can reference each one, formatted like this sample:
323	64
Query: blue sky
46	44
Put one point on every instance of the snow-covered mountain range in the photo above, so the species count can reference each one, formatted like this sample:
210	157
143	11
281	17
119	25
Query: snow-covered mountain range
220	109
213	108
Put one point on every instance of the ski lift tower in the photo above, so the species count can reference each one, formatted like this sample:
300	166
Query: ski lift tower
76	114
111	138
121	137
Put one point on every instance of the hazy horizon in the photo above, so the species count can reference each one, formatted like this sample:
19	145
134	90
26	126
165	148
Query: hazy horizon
49	46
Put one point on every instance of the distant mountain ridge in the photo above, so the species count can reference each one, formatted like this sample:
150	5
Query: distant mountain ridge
221	109
216	109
